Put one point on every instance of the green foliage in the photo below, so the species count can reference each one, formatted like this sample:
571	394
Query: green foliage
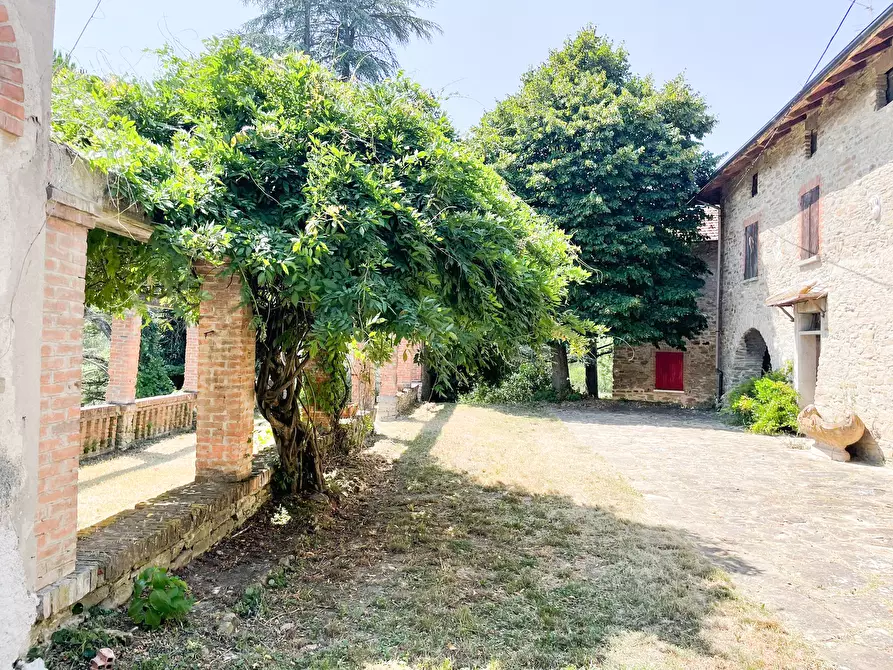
355	39
78	645
531	381
615	161
252	602
349	211
767	405
159	597
152	376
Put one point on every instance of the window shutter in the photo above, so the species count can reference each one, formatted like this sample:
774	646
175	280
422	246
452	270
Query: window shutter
751	250
668	371
809	224
814	223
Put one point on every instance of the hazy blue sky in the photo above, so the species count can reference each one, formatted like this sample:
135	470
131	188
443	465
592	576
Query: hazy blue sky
748	57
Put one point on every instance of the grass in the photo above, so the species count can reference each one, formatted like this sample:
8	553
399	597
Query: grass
476	537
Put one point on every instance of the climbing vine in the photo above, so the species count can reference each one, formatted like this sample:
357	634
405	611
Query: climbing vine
351	213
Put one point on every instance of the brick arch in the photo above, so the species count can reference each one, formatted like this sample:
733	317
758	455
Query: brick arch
751	357
12	92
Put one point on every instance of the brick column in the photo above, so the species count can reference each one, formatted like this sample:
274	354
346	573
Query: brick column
124	359
61	355
190	374
225	380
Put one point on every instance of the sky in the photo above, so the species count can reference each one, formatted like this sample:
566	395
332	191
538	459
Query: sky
746	57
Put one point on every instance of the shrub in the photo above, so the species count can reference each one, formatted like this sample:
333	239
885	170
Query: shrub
159	597
767	404
530	382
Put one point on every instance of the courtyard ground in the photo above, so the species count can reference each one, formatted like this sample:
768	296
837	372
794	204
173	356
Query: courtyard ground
811	538
467	537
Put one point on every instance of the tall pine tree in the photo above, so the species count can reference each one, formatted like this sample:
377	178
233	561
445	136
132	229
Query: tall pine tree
614	160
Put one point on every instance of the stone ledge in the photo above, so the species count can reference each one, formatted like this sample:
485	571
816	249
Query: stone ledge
167	531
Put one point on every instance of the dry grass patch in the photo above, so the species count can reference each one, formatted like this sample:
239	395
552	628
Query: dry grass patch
480	537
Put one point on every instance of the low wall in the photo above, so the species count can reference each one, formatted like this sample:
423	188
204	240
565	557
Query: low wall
168	531
108	427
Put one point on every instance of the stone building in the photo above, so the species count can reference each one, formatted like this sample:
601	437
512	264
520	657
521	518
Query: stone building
652	374
806	241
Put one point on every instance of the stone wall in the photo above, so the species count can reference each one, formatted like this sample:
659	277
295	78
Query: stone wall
854	170
26	37
168	531
634	374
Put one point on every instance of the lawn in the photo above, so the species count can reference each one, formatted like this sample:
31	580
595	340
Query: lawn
467	537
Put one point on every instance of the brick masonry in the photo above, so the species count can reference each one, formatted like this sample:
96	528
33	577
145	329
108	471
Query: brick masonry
634	373
854	167
190	374
225	379
124	359
399	382
168	531
12	92
60	391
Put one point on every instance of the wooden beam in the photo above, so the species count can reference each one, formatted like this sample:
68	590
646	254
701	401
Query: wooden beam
871	51
808	107
885	33
787	125
826	90
846	72
778	135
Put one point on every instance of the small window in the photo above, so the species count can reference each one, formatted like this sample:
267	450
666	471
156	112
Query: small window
751	250
809	223
813	142
754	184
668	366
889	93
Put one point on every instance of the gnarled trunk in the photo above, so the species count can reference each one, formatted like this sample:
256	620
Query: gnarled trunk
278	391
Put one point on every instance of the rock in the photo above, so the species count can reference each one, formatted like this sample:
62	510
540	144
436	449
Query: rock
309	647
226	625
36	664
287	627
285	562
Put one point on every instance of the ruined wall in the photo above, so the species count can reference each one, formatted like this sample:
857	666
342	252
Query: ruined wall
634	373
25	67
854	170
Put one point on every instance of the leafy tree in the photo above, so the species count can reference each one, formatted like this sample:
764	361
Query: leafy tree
152	377
613	160
356	38
349	212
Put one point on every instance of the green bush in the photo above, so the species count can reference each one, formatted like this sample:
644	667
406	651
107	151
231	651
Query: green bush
766	405
159	597
530	382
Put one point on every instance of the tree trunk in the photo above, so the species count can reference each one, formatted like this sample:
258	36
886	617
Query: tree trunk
561	382
299	459
307	19
344	65
592	375
427	384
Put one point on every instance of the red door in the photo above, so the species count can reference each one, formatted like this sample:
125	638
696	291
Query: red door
668	371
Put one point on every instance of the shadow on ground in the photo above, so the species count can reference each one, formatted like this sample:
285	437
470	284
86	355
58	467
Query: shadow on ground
469	537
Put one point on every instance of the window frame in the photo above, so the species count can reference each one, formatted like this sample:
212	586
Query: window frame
888	93
751	264
755	185
812	146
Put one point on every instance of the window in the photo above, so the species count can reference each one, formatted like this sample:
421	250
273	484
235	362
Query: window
889	92
751	250
754	184
813	143
668	371
809	223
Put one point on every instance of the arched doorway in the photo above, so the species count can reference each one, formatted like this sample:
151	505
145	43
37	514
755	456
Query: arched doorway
752	358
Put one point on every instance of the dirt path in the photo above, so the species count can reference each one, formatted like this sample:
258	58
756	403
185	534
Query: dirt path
810	538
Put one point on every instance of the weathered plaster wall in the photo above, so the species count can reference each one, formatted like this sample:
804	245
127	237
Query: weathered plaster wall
854	168
634	366
23	179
